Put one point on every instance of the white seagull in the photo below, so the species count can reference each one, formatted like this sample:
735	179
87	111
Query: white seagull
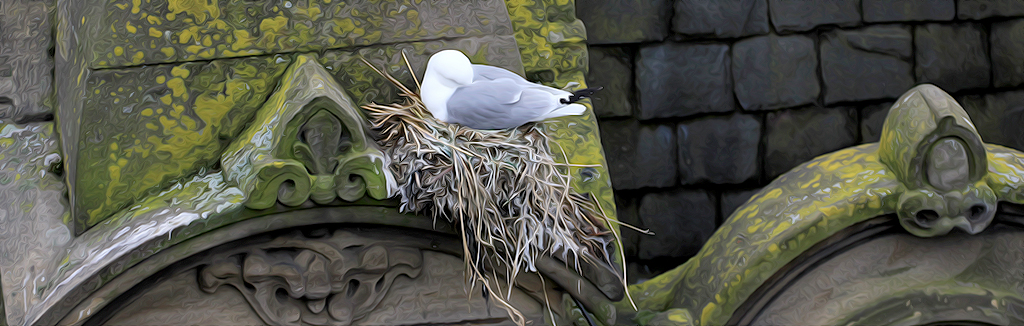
487	97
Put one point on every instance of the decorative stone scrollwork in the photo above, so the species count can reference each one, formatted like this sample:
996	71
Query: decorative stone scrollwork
332	280
309	142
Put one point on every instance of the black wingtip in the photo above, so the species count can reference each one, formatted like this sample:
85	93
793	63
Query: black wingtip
581	94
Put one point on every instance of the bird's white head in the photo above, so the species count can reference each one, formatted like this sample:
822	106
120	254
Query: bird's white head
452	66
446	71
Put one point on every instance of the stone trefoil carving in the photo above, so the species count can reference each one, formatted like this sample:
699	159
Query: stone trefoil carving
329	280
309	142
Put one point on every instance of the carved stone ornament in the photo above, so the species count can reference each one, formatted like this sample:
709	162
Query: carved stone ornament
330	280
309	142
934	150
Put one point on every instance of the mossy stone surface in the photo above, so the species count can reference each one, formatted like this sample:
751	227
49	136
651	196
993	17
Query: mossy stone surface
137	32
145	128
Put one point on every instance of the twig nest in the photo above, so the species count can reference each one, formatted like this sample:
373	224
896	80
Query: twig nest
511	201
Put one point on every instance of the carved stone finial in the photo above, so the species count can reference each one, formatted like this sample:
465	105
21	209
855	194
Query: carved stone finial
309	141
932	147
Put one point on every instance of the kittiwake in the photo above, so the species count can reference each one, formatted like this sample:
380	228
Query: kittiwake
487	97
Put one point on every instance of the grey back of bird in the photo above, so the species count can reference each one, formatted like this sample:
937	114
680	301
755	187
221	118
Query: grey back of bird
499	104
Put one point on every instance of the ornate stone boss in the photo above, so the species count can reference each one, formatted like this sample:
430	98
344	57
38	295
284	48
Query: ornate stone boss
213	166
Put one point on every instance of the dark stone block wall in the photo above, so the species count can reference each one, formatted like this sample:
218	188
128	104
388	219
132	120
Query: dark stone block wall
706	101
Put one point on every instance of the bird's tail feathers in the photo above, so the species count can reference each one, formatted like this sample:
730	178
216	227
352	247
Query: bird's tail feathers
571	109
581	94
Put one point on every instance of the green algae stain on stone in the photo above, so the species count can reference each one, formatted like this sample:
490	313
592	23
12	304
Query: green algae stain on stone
167	31
172	121
551	43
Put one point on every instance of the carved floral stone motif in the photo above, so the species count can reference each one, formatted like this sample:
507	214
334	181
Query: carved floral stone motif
319	281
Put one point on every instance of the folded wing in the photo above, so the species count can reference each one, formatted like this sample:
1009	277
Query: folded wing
499	104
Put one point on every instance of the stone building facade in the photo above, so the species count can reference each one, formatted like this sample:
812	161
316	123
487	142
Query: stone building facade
707	101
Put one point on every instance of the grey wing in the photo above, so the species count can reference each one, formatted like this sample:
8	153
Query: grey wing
485	72
497	104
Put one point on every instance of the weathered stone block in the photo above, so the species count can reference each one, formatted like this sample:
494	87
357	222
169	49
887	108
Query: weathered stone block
868	63
733	199
771	72
721	150
1008	53
639	155
803	15
998	117
980	9
726	18
682	220
612	68
907	10
626	207
679	80
625	21
872	118
26	67
796	136
953	57
33	211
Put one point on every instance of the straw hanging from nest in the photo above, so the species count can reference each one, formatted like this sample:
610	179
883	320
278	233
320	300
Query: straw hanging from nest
509	199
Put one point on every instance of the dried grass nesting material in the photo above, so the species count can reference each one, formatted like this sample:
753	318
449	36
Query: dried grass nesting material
511	201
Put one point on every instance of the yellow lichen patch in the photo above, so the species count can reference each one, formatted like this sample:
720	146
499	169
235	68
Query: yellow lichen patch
188	35
179	71
177	87
242	40
154	32
200	10
137	58
273	24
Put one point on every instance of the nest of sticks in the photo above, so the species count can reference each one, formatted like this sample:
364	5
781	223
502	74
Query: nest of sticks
503	191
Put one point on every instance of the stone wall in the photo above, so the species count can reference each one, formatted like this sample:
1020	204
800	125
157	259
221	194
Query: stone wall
706	101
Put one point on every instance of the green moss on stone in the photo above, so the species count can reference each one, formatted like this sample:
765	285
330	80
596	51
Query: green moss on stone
136	32
145	128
